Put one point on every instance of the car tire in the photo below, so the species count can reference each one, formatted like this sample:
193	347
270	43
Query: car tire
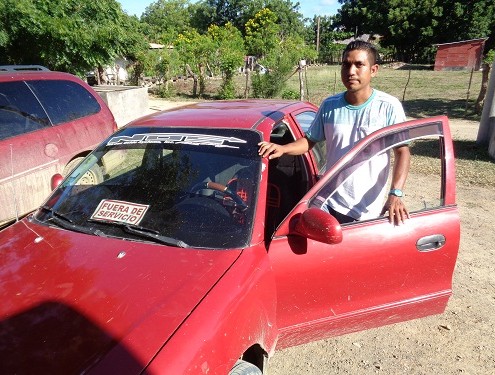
244	368
92	177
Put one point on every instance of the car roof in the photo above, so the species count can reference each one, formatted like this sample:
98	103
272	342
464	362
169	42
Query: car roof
17	68
26	75
233	114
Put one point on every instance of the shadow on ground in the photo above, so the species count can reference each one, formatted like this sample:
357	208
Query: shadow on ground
420	108
465	150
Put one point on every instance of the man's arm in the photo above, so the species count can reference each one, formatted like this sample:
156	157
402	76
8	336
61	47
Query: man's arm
273	150
396	209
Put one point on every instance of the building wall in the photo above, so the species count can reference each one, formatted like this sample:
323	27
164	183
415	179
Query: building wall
465	55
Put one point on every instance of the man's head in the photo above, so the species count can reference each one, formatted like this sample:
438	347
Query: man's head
361	45
358	67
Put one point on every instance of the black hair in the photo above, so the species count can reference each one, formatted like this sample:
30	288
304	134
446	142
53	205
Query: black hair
363	46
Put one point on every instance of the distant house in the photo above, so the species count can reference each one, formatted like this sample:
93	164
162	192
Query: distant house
463	55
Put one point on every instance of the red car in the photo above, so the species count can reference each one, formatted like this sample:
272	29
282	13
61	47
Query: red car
194	255
49	121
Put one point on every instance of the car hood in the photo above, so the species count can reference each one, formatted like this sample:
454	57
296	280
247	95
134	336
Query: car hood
71	302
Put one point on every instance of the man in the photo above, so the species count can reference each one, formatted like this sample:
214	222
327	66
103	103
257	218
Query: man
342	121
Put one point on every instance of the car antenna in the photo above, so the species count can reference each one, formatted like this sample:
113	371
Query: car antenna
12	182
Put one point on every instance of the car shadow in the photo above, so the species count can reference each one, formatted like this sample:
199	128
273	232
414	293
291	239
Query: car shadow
53	338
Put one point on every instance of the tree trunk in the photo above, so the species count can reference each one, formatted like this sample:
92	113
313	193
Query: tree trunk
484	86
195	80
246	90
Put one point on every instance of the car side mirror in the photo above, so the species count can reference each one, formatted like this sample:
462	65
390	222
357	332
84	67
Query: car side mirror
56	180
319	225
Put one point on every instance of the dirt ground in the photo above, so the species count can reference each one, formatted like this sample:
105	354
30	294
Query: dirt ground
459	341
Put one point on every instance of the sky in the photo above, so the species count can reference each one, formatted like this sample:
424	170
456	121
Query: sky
307	7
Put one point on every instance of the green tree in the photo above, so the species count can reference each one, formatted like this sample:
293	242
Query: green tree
279	54
407	25
72	36
229	55
412	27
289	18
262	33
464	20
166	19
68	35
195	51
239	12
328	50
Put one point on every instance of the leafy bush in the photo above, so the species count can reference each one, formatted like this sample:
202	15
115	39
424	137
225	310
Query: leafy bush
489	57
165	91
291	95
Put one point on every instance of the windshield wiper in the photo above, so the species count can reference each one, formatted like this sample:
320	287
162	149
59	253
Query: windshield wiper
144	232
57	215
65	222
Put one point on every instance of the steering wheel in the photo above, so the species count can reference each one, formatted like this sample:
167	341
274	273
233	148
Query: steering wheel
221	189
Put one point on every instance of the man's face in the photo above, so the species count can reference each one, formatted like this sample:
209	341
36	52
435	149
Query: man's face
357	71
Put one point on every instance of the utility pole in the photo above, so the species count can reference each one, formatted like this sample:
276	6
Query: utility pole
318	35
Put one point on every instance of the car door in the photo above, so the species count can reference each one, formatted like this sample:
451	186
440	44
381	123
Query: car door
44	123
25	151
370	273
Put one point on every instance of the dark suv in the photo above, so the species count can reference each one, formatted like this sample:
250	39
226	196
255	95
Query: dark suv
48	122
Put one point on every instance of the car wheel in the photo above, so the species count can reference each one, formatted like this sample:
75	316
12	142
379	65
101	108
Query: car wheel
92	177
244	368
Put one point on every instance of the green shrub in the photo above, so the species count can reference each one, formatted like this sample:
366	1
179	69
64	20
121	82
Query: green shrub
165	91
291	95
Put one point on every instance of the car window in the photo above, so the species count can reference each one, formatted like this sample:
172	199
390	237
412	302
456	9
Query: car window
424	188
305	119
319	150
20	112
195	186
64	100
288	180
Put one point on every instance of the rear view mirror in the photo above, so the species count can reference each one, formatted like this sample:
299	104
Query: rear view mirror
320	226
56	180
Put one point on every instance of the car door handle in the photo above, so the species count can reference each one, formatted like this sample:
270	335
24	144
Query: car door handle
430	243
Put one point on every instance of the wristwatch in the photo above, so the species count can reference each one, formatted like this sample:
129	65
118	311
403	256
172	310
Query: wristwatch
396	192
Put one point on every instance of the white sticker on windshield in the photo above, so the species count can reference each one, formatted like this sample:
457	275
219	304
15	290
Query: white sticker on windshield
119	211
175	138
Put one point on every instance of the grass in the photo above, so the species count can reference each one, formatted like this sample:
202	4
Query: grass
423	92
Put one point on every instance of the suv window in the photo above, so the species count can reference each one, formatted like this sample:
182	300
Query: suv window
64	100
20	112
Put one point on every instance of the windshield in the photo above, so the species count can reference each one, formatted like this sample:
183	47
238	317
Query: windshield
185	187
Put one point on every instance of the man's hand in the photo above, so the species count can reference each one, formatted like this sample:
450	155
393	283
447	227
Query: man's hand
273	150
397	211
270	150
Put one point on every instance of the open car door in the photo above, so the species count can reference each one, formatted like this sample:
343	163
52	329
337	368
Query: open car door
334	279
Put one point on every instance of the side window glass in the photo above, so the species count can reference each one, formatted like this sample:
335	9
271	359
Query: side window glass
423	189
20	112
287	180
64	100
305	119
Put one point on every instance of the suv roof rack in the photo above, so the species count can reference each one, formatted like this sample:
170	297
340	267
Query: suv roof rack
21	68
